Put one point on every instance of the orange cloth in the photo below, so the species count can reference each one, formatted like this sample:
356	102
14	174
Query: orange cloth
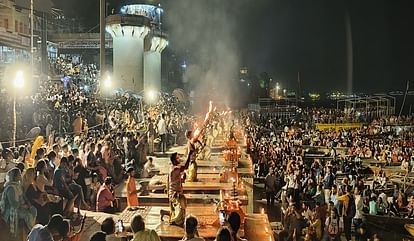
132	198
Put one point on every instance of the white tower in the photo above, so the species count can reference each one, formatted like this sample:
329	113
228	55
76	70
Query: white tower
128	47
129	29
155	44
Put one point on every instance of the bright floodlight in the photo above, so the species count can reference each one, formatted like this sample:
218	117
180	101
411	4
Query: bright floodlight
19	80
107	82
151	95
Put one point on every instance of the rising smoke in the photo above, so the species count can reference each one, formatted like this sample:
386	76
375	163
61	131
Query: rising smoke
206	30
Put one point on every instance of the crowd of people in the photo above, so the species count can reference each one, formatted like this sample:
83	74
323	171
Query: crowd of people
59	228
91	143
80	172
325	195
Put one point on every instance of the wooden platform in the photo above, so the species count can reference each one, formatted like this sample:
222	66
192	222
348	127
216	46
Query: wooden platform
389	170
161	199
203	185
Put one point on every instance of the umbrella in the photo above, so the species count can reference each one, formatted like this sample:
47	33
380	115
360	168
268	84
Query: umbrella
131	93
33	133
180	94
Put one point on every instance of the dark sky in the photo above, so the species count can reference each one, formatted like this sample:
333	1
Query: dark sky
282	37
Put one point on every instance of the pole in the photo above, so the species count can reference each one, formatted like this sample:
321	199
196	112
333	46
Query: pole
31	35
14	121
405	97
102	38
106	124
60	121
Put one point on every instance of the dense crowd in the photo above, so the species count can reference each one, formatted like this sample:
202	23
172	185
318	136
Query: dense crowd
323	193
91	143
79	170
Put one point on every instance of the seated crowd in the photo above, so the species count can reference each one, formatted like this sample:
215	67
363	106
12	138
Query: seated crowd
58	229
326	195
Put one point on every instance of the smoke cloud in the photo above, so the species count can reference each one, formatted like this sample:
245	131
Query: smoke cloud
206	33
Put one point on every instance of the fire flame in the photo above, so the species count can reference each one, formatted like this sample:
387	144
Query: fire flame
207	115
196	132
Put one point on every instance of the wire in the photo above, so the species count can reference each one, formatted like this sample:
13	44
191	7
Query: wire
66	133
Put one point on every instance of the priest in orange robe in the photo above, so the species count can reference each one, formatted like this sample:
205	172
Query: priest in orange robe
132	198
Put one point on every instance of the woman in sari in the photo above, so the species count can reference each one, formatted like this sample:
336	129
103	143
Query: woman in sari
15	211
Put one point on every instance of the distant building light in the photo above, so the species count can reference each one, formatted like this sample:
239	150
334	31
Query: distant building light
244	70
184	65
124	10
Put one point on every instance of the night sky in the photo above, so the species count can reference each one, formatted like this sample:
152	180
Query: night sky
282	37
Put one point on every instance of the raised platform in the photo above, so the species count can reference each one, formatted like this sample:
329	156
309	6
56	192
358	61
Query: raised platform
161	199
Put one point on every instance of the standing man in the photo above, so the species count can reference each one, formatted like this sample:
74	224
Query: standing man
348	210
328	182
175	190
191	173
162	132
151	135
77	125
132	198
270	187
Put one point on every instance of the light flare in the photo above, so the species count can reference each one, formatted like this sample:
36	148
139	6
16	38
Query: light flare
196	132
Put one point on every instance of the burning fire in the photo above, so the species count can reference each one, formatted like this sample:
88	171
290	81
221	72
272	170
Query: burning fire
210	109
225	112
196	132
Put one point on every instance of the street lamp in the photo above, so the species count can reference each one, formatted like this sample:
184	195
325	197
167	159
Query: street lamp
19	80
31	35
107	83
151	95
18	83
277	89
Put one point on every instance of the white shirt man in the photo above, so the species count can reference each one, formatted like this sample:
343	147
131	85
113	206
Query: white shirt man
162	127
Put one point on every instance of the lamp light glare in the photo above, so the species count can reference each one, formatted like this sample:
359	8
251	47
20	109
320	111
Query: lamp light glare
151	95
19	80
107	82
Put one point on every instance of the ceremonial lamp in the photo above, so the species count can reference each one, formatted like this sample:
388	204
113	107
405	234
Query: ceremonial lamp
232	204
200	132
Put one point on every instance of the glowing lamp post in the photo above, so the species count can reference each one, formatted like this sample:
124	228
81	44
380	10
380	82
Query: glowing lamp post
18	84
107	83
277	90
151	96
